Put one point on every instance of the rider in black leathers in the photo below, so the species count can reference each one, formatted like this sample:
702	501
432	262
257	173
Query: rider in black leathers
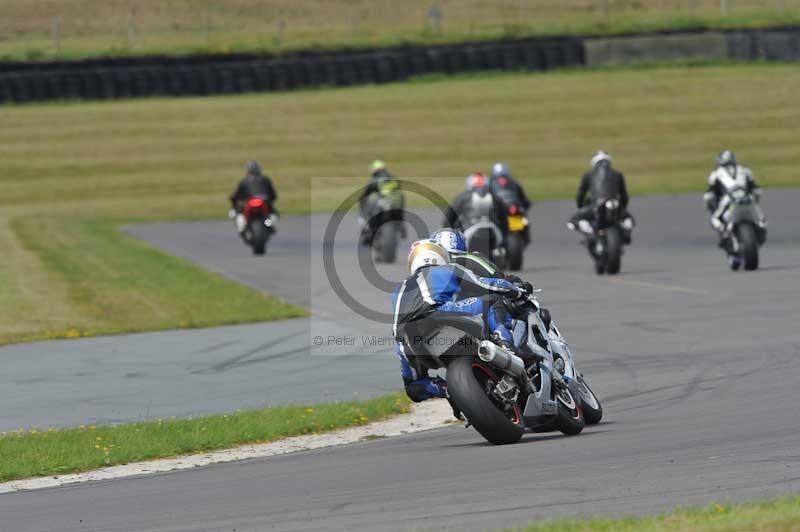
460	211
254	185
503	185
601	182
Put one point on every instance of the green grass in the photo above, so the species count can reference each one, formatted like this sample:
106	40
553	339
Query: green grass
29	453
42	29
71	172
116	284
780	515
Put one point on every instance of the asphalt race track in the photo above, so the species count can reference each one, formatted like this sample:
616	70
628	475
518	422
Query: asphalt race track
697	366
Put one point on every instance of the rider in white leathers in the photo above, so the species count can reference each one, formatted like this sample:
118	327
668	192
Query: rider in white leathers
725	178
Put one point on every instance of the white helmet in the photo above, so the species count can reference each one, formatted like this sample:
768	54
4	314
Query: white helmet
600	156
426	253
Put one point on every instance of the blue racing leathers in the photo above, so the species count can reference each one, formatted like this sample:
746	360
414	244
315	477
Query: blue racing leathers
449	288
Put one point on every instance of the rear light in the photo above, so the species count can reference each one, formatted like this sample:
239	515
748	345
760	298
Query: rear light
255	203
512	210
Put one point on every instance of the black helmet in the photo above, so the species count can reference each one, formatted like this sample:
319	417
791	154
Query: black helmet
726	158
253	168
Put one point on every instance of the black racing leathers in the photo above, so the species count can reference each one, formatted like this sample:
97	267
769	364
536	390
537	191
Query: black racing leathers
254	185
600	183
510	191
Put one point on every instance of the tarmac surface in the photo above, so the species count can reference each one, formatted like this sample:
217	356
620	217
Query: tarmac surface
697	367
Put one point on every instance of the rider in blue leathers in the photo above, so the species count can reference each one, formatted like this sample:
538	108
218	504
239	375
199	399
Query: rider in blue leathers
435	285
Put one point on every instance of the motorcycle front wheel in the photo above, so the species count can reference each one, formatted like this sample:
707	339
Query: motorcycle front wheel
468	381
613	250
569	419
590	404
749	246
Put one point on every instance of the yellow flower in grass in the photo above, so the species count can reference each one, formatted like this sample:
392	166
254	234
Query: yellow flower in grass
309	410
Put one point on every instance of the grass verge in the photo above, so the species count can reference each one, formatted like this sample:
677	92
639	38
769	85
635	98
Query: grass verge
780	515
30	453
41	30
113	284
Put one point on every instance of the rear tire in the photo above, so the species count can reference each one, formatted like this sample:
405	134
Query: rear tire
514	251
599	267
469	396
749	246
569	419
613	250
388	242
258	237
590	404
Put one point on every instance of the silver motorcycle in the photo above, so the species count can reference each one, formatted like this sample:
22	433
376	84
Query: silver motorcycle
499	393
745	228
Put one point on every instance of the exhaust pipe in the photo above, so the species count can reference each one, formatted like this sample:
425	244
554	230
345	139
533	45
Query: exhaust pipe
490	352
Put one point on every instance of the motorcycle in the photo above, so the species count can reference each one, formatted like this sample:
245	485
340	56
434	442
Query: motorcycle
604	237
745	229
497	392
256	224
380	227
518	236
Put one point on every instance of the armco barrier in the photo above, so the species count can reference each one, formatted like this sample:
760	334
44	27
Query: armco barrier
232	74
130	78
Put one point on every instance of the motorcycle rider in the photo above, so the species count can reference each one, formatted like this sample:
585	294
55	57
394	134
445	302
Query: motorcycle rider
727	176
504	186
460	213
600	182
380	182
456	245
436	285
254	185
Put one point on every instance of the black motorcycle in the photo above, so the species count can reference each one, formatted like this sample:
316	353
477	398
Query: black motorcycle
604	235
381	225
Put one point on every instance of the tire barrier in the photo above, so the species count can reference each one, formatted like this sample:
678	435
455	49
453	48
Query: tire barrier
129	78
102	79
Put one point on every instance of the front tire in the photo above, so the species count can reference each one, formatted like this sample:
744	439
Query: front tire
590	405
514	251
749	246
466	378
613	250
569	419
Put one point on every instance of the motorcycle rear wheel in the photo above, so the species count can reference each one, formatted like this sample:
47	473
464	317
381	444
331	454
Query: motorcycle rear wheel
514	251
258	237
466	378
386	242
